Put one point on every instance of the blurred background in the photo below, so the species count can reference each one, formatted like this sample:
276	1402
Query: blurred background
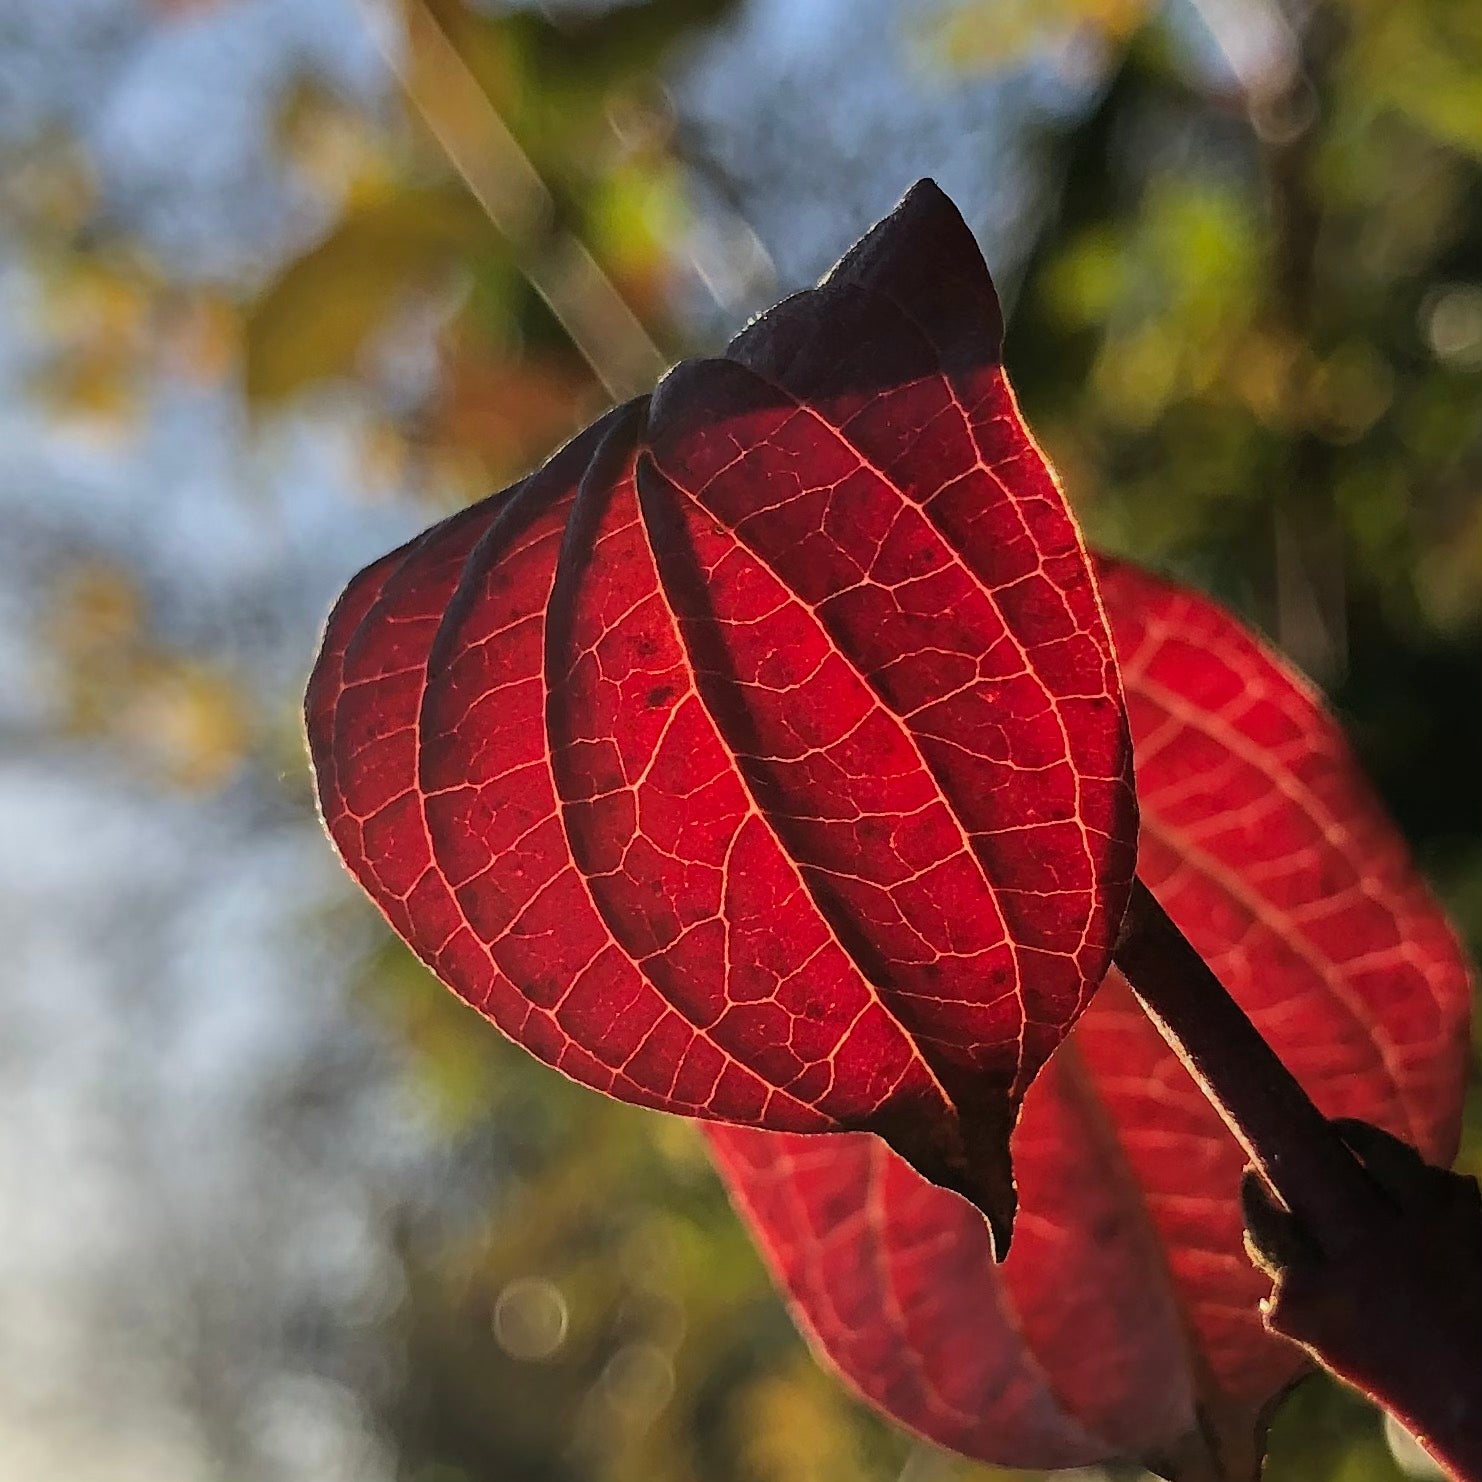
283	280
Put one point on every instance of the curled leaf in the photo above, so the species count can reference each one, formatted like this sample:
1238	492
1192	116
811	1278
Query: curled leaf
762	757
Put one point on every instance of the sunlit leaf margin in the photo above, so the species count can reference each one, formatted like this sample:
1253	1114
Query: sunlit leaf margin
762	757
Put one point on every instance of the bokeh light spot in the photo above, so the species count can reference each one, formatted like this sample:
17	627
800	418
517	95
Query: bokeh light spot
531	1318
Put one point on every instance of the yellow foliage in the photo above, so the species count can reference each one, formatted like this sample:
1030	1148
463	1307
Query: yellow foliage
987	34
99	319
173	716
634	211
326	141
316	319
1264	365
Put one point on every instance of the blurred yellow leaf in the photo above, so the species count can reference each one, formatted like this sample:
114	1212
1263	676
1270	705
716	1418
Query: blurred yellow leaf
995	33
312	323
100	318
1085	281
97	610
325	139
201	334
174	716
1136	375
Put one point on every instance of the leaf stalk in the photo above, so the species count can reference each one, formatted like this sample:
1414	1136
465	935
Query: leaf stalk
1376	1256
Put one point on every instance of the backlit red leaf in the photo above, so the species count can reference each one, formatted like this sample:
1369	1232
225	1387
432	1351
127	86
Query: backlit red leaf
762	757
1125	1322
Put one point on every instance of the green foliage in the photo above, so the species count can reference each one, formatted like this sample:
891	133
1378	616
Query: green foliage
1324	1433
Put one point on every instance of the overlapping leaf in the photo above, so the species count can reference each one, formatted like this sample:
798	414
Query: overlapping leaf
762	757
1125	1322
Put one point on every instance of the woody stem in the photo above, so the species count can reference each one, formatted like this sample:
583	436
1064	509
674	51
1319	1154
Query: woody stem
1384	1287
1298	1153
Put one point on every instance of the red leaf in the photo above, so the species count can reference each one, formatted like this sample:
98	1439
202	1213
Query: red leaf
762	757
1126	1323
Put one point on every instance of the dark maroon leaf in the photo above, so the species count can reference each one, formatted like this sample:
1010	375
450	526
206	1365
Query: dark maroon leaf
1126	1321
762	757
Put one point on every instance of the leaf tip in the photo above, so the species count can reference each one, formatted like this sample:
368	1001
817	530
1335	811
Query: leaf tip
996	1198
927	195
994	1193
925	256
973	1161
